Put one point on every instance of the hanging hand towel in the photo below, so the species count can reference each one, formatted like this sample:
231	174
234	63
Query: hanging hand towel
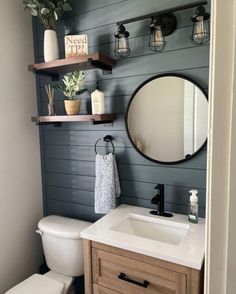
107	185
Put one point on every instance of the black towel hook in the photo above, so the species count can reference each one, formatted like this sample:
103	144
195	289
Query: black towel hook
107	138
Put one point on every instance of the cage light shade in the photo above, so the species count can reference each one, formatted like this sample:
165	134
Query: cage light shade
157	42
201	27
122	48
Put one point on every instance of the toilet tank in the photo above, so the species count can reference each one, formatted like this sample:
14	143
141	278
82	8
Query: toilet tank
62	244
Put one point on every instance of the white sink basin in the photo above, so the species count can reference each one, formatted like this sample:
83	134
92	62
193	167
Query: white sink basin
133	228
154	229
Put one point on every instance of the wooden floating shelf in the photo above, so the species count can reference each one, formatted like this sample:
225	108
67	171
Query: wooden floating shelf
61	66
58	119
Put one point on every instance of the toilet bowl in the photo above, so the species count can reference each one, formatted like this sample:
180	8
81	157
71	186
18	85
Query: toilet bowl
63	250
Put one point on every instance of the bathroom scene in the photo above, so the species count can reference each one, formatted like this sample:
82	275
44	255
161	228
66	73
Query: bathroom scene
118	142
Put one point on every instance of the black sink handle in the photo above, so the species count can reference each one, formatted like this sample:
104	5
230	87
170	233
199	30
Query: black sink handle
123	277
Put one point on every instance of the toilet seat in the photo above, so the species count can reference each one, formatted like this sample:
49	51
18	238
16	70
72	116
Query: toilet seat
38	284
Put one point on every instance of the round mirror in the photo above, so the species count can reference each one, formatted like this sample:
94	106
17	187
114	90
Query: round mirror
167	118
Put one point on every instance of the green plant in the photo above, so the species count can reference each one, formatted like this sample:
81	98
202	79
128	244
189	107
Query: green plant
49	11
73	84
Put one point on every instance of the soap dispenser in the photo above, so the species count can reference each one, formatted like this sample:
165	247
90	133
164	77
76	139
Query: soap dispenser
193	207
98	104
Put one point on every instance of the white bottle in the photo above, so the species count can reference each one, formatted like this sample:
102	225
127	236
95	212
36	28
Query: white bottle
98	104
193	207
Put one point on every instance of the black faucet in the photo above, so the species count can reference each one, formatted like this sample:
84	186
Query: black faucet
159	200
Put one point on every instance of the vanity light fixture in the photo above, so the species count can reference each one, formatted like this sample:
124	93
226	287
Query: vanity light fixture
201	28
122	42
164	23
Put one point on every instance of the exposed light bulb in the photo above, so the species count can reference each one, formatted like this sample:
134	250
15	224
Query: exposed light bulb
122	46
158	37
199	28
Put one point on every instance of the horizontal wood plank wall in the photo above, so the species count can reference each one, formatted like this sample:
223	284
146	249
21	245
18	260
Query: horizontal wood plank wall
68	152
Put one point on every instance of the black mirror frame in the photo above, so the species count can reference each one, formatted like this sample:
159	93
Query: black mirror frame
127	111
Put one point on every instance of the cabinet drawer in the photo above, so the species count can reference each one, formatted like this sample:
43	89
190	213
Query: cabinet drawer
101	290
125	275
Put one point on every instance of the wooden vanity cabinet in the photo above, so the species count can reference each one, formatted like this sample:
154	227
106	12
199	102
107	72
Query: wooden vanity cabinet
110	270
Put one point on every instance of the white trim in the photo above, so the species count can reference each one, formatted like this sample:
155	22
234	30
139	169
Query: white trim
220	183
231	255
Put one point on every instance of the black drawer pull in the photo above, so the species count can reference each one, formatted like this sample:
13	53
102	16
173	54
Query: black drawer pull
123	277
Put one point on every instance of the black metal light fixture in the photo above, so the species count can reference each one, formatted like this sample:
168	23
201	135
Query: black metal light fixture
157	42
161	26
164	23
122	42
201	27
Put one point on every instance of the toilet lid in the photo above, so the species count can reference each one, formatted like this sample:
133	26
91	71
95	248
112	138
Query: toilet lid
38	284
62	226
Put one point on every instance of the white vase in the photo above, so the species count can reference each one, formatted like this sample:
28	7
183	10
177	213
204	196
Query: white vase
51	49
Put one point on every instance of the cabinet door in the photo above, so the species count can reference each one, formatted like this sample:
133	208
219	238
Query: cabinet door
129	276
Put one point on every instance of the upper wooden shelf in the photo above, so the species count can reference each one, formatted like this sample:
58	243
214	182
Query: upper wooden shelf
61	66
94	118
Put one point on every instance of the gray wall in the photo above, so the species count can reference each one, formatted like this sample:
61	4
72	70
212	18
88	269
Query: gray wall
68	152
20	182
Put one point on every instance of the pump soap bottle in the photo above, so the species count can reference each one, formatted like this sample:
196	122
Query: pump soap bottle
98	105
193	207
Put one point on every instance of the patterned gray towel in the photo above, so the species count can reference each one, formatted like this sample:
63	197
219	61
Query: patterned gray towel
107	184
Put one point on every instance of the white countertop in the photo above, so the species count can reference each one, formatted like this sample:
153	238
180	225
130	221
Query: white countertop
190	252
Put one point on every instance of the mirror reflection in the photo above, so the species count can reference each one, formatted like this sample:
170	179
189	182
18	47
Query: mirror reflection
167	119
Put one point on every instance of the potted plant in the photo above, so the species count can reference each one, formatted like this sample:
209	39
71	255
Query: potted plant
49	12
73	85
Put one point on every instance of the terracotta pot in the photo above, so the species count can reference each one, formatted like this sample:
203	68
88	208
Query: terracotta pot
51	50
72	107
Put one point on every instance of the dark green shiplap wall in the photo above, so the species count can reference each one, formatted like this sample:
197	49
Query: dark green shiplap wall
68	152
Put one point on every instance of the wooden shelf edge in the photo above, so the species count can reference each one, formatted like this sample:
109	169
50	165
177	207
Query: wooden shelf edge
95	118
56	67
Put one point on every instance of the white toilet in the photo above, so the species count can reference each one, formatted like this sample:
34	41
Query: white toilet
63	250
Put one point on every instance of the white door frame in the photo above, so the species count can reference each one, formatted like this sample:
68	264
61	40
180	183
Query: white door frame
220	265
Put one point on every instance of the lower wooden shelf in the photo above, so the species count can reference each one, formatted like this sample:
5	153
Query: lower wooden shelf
93	118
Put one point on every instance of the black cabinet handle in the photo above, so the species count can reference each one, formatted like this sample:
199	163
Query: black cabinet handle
123	277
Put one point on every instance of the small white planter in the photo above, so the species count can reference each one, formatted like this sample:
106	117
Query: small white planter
51	49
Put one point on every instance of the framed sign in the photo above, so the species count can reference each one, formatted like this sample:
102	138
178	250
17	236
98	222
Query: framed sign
76	45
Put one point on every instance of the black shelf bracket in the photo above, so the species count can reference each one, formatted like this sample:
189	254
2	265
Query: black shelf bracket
56	124
104	122
54	76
